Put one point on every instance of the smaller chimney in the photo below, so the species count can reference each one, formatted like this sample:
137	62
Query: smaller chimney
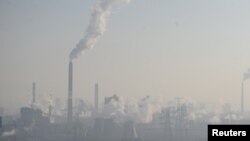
96	99
33	94
0	122
70	92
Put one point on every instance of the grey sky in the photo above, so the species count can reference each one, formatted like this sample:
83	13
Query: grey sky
197	49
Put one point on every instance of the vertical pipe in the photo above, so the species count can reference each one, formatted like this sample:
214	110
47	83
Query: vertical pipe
242	97
33	92
0	121
96	99
15	129
70	92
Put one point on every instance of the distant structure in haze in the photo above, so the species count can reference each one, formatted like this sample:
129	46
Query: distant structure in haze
0	122
109	99
70	92
245	77
33	94
96	112
129	133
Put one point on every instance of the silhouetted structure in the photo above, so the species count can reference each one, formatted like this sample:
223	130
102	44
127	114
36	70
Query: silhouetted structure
70	92
1	122
96	99
33	93
129	131
108	99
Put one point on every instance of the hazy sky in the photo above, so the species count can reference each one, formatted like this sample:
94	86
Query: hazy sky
196	49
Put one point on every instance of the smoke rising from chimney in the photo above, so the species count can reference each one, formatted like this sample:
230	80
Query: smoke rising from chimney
97	25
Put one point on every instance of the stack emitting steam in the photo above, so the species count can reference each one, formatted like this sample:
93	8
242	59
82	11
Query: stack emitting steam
95	29
97	25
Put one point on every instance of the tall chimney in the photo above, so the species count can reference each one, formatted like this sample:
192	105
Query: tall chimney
70	92
33	93
96	99
242	97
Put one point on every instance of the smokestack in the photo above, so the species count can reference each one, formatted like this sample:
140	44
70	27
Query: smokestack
242	97
33	94
70	92
0	122
96	99
245	77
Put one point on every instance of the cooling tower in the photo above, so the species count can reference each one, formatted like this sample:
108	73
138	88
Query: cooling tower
70	92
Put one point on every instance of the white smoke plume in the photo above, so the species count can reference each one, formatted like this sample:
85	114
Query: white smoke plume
144	110
43	103
139	112
147	110
83	108
114	108
97	25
